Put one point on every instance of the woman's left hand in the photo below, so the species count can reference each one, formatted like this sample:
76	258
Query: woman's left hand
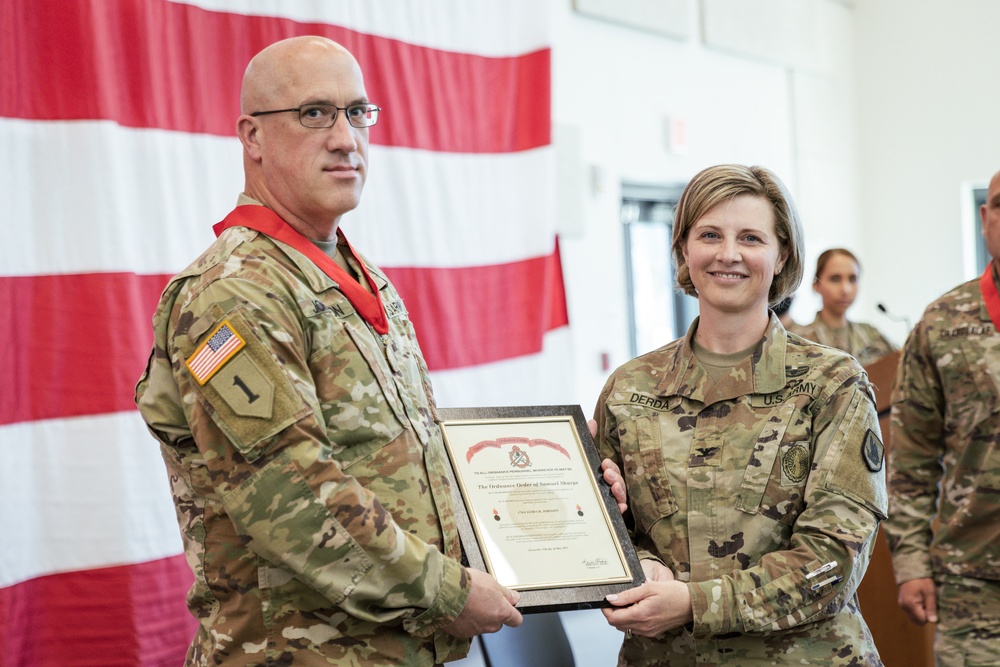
612	474
658	605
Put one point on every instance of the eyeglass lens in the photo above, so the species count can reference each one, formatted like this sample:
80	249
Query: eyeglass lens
324	115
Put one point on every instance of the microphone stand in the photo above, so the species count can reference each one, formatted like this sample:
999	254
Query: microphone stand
895	318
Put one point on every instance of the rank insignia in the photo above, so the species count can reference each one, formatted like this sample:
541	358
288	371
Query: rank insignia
211	355
872	451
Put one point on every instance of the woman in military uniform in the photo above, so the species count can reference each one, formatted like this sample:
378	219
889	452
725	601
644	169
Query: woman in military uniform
836	281
752	457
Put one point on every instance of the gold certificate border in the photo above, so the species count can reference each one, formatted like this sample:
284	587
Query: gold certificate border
550	595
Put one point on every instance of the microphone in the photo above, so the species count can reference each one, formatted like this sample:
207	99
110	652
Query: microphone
895	318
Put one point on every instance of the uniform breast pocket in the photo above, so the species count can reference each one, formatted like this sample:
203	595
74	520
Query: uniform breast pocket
775	479
649	493
360	408
410	382
971	381
784	494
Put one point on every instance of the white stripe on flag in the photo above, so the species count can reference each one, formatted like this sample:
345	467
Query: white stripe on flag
420	208
546	378
97	492
423	209
511	27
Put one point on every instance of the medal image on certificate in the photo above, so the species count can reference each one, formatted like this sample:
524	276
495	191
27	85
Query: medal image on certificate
535	511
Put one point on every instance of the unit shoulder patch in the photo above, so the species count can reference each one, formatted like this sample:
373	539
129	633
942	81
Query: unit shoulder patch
872	451
247	390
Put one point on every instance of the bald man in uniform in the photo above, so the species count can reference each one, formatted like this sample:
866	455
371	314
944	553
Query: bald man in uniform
294	409
944	465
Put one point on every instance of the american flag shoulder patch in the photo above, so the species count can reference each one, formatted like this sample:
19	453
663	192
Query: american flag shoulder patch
211	355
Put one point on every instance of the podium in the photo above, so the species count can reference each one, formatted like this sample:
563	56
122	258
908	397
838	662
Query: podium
899	642
882	375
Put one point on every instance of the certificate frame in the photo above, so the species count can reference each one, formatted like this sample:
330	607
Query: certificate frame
497	428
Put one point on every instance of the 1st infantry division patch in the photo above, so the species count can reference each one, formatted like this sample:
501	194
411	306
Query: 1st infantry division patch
220	347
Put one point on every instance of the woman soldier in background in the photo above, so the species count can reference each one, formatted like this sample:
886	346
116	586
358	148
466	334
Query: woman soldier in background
836	281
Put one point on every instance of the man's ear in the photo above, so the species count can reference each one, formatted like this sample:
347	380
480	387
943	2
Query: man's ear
249	134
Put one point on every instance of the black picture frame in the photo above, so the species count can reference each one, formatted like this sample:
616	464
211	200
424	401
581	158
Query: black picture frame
559	597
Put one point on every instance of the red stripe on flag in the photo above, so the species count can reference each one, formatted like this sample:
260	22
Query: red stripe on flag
113	617
159	64
483	314
76	344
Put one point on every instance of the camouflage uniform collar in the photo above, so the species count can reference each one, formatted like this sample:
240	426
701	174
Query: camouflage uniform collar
765	368
367	301
984	314
312	274
318	280
376	273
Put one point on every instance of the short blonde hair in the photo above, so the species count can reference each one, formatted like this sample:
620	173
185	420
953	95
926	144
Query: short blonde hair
714	185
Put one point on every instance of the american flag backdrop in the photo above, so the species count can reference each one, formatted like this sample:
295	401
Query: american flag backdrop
117	154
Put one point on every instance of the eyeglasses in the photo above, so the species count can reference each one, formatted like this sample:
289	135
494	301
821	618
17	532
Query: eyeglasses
319	116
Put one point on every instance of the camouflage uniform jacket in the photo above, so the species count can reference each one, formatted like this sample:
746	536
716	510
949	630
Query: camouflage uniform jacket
308	472
946	434
864	342
763	491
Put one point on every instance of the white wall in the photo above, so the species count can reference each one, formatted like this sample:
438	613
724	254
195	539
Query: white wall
876	114
928	105
765	82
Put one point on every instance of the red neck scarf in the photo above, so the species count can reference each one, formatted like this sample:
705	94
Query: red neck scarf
988	287
264	220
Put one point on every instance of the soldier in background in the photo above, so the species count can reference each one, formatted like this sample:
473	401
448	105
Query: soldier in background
944	469
838	273
752	457
294	410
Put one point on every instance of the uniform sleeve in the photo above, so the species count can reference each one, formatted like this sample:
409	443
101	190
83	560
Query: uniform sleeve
915	459
831	540
258	427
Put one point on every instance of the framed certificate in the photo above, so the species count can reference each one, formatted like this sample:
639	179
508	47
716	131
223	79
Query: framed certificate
532	507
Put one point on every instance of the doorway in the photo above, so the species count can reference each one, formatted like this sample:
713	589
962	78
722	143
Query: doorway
658	312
